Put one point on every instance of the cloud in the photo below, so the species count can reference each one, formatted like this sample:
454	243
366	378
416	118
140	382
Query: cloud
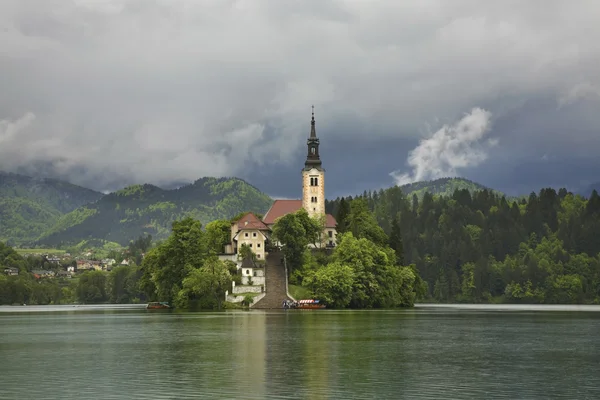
578	92
131	91
451	148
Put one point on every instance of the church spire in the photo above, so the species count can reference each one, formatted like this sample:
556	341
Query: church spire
313	131
312	158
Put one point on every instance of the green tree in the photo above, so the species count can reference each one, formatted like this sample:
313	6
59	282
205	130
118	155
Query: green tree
332	284
211	280
396	241
342	215
165	267
218	234
92	287
292	234
362	223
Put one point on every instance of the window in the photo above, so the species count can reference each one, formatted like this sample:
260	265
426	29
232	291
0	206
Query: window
312	181
257	244
258	256
316	181
247	272
250	245
246	234
330	233
312	150
253	234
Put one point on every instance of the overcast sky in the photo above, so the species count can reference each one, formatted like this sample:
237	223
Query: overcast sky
109	93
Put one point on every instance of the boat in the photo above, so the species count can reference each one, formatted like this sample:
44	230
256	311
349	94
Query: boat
309	304
158	305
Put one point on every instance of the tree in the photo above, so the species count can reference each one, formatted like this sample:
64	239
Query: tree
342	215
245	251
362	223
294	231
396	241
211	280
92	287
217	235
165	267
332	284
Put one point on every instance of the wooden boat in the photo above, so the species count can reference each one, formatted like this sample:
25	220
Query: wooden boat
158	305
309	304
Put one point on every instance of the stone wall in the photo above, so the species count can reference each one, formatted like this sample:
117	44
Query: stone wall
247	289
238	299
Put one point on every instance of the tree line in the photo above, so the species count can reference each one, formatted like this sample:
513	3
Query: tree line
483	247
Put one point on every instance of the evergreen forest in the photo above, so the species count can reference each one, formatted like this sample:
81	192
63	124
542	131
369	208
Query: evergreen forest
482	247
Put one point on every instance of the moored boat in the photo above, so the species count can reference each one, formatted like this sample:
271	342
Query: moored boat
309	304
158	305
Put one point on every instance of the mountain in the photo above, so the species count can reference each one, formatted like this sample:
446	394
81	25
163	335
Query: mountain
443	187
146	209
30	206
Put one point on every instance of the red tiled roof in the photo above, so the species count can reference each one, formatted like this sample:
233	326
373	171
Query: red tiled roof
330	221
281	208
250	221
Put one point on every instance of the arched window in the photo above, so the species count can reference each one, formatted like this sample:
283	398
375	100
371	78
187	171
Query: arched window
312	151
316	181
312	181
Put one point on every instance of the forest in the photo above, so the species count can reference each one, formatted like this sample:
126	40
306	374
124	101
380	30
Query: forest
475	247
482	247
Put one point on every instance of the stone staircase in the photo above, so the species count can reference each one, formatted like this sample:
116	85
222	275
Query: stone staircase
275	283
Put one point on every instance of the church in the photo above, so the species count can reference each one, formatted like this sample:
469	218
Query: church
255	233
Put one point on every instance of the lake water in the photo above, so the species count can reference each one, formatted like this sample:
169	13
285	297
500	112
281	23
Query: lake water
430	352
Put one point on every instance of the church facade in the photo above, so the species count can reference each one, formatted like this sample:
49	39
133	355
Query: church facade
255	233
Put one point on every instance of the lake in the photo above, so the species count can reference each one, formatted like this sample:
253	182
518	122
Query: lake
429	352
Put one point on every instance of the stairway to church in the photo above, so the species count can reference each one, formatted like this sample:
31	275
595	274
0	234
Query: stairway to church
275	291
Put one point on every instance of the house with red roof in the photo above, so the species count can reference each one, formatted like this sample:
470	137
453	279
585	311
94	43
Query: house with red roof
252	231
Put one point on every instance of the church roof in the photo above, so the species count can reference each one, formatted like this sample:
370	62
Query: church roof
251	221
283	207
247	262
330	221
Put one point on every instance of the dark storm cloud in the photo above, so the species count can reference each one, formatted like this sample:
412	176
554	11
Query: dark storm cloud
107	93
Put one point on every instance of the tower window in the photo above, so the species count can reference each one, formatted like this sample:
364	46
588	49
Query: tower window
312	150
314	181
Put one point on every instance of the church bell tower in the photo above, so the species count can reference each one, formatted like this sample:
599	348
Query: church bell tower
313	175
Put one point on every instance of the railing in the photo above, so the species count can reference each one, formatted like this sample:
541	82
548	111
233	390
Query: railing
287	292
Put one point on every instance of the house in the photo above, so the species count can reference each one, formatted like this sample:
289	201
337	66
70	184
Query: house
53	259
11	271
109	262
255	233
249	231
87	265
42	273
64	274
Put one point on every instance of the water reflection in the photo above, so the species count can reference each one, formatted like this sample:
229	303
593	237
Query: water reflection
422	353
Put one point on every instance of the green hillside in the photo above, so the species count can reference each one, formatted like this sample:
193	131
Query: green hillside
30	206
443	187
146	209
